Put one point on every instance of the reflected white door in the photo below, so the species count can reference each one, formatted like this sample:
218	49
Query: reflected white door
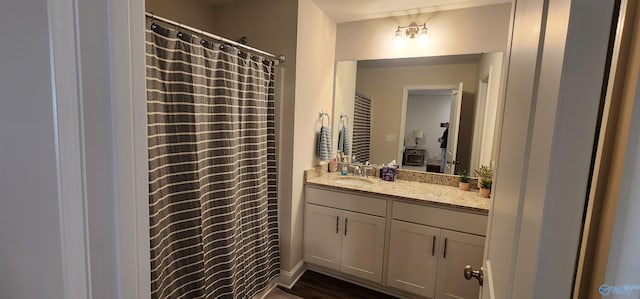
454	126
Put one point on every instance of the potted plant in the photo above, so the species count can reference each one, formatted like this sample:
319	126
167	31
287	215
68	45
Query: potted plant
483	173
485	188
464	180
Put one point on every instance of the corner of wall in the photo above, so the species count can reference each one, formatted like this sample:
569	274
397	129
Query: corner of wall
316	34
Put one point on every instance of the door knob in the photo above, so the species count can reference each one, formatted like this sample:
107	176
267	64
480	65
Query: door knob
478	274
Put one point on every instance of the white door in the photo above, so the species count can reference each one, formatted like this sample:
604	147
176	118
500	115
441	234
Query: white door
322	236
454	126
413	258
458	250
363	246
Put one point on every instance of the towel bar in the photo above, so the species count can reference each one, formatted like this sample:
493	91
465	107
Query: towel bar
344	116
322	114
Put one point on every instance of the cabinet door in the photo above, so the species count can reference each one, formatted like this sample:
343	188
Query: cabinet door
413	258
322	236
458	250
363	246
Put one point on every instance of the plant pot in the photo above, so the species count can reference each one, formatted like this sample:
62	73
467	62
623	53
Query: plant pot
463	186
479	180
485	192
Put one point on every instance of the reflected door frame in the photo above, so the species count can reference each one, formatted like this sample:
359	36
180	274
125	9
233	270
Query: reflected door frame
403	117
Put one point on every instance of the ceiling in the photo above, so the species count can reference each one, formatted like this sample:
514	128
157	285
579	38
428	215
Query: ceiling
414	61
342	11
353	10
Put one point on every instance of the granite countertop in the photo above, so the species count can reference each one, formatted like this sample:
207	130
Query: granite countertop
439	195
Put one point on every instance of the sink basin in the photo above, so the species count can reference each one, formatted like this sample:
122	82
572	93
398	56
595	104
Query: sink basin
353	181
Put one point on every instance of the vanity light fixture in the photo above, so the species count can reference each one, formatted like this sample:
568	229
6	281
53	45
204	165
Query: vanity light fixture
411	31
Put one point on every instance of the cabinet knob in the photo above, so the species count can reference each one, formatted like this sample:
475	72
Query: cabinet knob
478	274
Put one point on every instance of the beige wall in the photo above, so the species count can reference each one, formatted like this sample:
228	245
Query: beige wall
256	20
462	31
345	90
386	85
314	92
194	13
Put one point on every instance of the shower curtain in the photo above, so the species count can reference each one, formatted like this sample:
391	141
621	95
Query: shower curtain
212	167
362	127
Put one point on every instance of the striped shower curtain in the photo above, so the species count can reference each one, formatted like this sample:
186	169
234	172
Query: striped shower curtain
362	127
212	168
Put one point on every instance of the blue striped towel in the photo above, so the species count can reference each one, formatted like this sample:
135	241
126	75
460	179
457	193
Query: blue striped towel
323	144
344	145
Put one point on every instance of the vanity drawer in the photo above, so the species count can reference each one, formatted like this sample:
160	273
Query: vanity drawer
347	201
443	218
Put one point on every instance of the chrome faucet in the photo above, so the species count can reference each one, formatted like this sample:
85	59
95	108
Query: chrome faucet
365	169
356	170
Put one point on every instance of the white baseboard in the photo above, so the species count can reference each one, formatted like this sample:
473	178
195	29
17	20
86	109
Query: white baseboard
274	283
286	279
289	278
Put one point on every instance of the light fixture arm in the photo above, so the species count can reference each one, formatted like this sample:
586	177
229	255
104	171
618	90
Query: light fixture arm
412	30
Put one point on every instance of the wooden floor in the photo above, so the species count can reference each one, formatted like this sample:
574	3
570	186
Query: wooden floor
313	285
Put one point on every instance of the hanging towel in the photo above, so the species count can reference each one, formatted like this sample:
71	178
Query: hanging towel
344	146
340	141
323	144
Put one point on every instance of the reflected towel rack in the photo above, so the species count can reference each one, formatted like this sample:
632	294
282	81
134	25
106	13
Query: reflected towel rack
322	114
346	117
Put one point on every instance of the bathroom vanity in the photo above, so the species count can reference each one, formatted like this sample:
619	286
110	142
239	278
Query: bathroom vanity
405	238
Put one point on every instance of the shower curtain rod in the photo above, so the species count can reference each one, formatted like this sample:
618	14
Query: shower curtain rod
279	59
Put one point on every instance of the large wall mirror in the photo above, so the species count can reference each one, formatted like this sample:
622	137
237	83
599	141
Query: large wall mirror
394	96
398	109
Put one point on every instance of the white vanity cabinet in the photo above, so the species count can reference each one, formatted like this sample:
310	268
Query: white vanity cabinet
458	250
403	247
323	236
413	258
427	258
345	232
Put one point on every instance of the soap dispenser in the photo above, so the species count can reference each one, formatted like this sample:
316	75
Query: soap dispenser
333	164
344	170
